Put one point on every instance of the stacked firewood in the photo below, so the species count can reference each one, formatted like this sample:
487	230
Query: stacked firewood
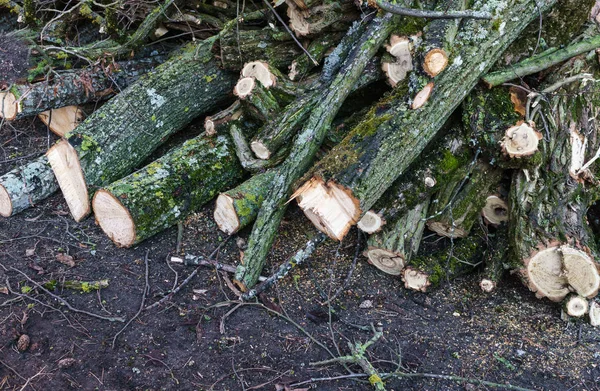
504	171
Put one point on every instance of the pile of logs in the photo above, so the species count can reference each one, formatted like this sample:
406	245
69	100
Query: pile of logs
483	137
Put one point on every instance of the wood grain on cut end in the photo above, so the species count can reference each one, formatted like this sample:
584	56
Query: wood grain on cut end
487	285
581	271
331	207
446	230
63	120
114	219
545	276
415	279
386	261
521	140
225	215
594	313
9	107
260	71
371	222
260	150
67	170
495	211
5	203
422	96
435	62
576	306
244	87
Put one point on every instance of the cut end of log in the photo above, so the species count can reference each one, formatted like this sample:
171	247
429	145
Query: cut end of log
415	279
447	230
244	87
260	150
555	271
371	222
399	46
495	211
594	314
63	120
114	219
9	107
521	140
5	203
260	71
209	127
576	306
422	96
298	23
395	71
435	62
225	215
67	170
386	261
331	207
581	271
487	285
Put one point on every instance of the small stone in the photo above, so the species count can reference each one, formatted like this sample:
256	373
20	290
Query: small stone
366	304
30	252
456	314
66	363
23	343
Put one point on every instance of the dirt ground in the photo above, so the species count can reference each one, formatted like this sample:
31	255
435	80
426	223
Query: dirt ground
200	339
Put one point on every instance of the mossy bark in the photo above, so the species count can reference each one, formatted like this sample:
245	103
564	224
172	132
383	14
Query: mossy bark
305	147
121	134
325	17
76	87
392	136
317	48
495	258
26	185
549	202
458	258
261	104
457	205
270	45
168	189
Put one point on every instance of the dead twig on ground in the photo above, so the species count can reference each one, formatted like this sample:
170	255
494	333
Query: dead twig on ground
145	292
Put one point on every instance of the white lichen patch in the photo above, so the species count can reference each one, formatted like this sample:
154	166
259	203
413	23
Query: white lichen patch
156	100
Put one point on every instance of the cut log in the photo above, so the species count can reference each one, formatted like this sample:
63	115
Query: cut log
26	185
352	177
257	99
74	87
428	271
392	248
239	46
594	313
305	147
212	122
459	202
495	211
238	207
401	49
328	16
166	191
576	306
495	259
371	222
63	120
121	134
551	243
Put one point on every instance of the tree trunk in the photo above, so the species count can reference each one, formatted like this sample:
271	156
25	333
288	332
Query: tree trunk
121	134
24	186
72	88
359	170
166	191
551	243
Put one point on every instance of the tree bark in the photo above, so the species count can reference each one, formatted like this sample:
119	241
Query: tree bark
381	148
166	191
24	186
121	134
71	88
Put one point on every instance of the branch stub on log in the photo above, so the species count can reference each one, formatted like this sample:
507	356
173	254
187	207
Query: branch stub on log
576	306
521	140
415	279
435	62
260	71
371	222
244	87
225	215
422	96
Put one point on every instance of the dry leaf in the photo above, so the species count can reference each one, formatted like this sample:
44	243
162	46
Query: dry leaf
4	290
65	259
66	363
23	342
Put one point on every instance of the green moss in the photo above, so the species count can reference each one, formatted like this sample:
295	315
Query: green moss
449	162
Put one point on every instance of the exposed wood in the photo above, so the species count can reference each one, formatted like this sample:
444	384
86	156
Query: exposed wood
495	258
521	140
594	313
328	16
257	99
118	137
392	137
495	211
167	190
371	222
422	96
576	306
212	122
63	120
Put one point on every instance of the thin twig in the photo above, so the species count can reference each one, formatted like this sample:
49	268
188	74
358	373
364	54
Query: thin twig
399	10
65	303
350	272
188	279
146	291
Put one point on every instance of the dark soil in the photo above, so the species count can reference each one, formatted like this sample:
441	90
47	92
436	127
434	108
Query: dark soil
198	340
